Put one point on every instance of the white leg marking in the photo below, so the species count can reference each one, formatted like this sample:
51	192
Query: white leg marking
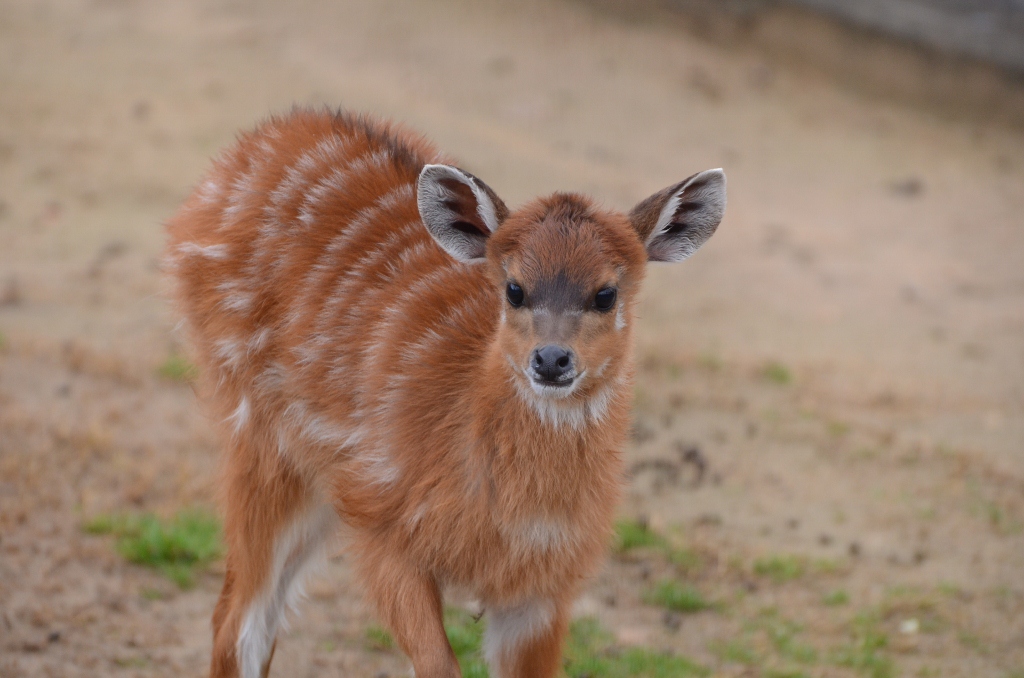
509	627
296	550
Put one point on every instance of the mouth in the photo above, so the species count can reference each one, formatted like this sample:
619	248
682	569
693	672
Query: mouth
544	383
559	388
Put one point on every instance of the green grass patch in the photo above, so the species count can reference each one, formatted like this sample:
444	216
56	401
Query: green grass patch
782	634
1001	522
711	362
780	568
836	598
634	534
770	643
777	373
178	547
591	652
639	661
837	429
905	603
378	639
178	368
677	597
465	634
149	593
736	651
685	560
971	641
827	566
865	653
783	637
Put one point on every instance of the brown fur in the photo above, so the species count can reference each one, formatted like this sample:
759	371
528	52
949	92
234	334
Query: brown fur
355	365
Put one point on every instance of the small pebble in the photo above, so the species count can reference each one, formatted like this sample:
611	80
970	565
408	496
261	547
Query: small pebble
910	187
10	292
909	626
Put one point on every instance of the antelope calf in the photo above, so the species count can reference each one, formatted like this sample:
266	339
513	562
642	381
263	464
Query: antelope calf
389	348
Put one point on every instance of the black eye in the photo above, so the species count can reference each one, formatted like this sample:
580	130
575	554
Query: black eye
605	299
515	294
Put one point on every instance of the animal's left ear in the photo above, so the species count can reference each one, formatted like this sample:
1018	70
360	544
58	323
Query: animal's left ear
675	222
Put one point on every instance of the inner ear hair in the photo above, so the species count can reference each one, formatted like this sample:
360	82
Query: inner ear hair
463	205
458	210
675	222
644	217
498	212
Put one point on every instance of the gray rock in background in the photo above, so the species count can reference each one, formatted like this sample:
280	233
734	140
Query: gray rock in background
991	30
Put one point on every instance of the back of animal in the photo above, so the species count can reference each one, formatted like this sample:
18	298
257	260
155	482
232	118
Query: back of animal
313	291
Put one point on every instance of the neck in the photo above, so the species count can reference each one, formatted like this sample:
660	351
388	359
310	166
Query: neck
542	456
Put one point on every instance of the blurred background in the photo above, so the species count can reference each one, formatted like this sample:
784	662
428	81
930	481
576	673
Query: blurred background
827	460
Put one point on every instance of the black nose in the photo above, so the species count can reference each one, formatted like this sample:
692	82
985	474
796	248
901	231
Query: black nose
551	362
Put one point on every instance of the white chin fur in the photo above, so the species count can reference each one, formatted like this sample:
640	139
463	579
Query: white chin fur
554	392
554	406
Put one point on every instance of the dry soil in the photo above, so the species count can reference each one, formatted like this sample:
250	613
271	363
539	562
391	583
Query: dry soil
846	355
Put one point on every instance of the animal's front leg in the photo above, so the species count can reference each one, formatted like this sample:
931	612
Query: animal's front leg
409	604
525	640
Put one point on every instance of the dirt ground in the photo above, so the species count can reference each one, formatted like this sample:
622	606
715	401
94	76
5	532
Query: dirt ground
846	355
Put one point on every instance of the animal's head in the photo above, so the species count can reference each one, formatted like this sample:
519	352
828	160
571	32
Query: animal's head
567	271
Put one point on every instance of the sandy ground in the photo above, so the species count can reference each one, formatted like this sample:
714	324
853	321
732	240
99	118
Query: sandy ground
875	252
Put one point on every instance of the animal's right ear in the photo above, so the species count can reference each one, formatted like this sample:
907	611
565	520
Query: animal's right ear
459	210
